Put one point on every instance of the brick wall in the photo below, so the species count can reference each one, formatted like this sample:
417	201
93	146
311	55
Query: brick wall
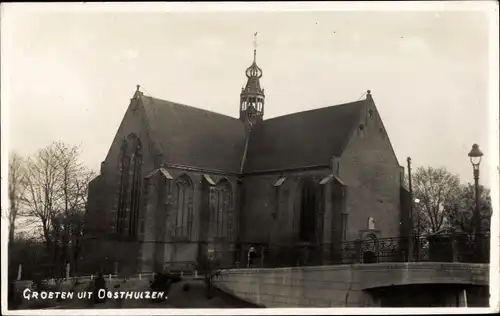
166	248
370	170
103	197
342	285
271	214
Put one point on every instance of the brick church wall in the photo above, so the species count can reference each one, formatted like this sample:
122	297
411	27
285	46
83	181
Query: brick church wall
371	172
180	253
369	169
272	217
101	217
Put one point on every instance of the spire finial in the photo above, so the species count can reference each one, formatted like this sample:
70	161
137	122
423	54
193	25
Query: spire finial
255	46
368	94
137	93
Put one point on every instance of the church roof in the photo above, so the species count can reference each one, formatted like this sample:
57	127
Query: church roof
302	139
194	137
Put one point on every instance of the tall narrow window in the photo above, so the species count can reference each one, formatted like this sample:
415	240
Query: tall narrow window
221	215
135	193
130	187
183	211
308	212
343	226
122	197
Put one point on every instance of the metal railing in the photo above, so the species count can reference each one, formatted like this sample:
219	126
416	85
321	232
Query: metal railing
466	248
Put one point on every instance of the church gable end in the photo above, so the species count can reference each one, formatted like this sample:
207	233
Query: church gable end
134	122
370	130
122	172
370	170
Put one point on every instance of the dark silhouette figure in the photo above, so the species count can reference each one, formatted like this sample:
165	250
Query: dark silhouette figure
208	284
37	283
162	283
251	259
99	284
208	265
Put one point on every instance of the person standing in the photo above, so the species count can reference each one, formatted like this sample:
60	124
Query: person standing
99	284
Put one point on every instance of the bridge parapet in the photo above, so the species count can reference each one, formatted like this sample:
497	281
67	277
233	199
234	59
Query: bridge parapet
341	285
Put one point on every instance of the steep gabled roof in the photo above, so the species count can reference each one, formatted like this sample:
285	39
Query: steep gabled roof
302	139
194	137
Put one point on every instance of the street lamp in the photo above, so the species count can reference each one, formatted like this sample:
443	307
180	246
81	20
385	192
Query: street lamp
418	239
475	158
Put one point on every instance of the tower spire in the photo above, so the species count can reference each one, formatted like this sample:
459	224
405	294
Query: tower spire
252	95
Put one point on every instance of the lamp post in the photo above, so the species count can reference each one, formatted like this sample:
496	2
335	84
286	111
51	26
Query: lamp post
411	233
418	245
475	158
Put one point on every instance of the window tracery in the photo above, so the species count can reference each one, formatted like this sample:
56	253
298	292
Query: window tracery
183	212
130	187
221	217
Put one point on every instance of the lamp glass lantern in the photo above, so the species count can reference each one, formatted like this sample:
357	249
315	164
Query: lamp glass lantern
475	156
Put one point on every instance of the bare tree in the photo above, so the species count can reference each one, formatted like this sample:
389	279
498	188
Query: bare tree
16	190
74	191
56	195
436	190
42	188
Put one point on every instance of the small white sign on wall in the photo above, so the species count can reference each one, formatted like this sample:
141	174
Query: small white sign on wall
371	223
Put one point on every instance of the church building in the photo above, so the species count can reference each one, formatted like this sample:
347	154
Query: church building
180	183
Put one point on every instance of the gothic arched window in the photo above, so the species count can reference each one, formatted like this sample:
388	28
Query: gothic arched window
135	193
183	212
130	186
222	210
122	197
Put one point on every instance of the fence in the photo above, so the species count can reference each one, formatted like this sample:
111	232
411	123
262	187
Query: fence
440	248
467	248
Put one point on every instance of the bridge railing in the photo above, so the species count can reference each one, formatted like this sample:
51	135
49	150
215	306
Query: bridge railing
467	248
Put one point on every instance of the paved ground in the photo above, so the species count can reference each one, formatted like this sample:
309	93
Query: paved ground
177	298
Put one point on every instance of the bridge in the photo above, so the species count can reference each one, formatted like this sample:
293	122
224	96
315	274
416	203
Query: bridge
357	285
449	271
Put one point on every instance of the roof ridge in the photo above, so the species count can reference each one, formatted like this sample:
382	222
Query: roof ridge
191	107
317	109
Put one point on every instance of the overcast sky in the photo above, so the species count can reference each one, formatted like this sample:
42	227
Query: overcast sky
71	75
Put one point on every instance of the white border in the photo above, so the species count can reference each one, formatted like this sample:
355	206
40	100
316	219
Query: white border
494	160
269	6
490	7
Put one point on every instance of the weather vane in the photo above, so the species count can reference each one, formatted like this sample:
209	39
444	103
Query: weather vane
255	45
